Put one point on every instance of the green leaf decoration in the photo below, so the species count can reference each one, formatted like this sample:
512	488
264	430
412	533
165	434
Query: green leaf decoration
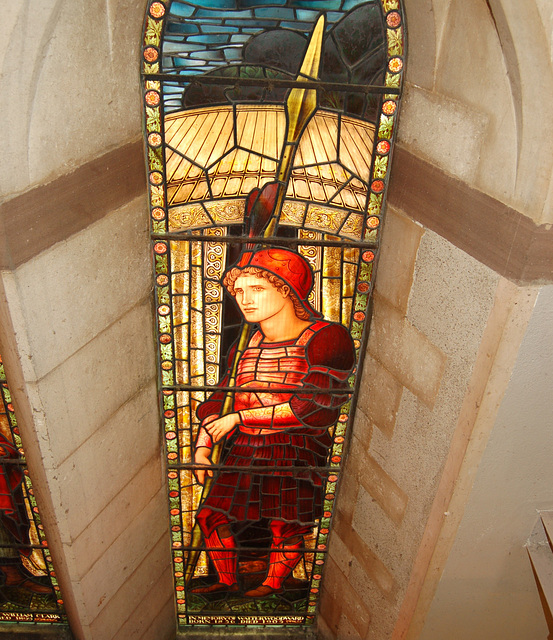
375	204
157	198
386	127
154	158
153	119
151	68
392	80
380	166
391	4
161	264
395	42
158	226
163	295
153	32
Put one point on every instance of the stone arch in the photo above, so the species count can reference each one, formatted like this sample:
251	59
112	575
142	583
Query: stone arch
527	57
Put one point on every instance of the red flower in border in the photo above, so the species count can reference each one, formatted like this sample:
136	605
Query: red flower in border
383	147
377	186
393	19
152	98
151	54
395	65
162	279
363	287
359	316
158	213
154	139
160	247
389	107
373	222
157	10
156	177
368	256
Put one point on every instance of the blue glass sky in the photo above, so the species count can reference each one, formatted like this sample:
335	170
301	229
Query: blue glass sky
201	36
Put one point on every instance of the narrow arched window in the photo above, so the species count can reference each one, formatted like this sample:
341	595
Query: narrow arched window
269	131
29	591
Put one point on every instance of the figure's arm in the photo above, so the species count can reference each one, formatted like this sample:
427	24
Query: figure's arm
210	410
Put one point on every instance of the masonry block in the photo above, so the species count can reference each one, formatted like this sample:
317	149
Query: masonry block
406	352
380	396
400	242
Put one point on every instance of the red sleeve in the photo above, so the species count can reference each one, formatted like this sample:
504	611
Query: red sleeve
331	358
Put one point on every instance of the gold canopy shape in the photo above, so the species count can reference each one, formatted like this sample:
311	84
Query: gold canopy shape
217	155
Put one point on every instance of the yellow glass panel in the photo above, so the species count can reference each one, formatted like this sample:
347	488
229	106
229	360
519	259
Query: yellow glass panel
356	145
180	334
324	218
346	310
188	217
218	186
300	188
232	187
201	191
349	273
332	264
351	254
331	299
319	140
292	212
182	372
180	310
181	282
313	255
353	226
247	185
349	199
223	211
183	416
196	360
182	194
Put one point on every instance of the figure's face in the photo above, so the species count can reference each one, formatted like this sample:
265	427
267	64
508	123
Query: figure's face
257	298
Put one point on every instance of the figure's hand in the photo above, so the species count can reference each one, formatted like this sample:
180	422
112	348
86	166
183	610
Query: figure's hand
219	428
201	456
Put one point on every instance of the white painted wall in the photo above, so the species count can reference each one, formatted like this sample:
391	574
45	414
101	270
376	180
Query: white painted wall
487	589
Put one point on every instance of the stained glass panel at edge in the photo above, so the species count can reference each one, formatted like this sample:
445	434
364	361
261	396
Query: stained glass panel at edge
29	591
237	146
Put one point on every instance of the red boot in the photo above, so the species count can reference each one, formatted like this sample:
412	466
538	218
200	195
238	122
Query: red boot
225	563
282	562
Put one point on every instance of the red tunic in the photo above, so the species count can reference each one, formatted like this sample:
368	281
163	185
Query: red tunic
283	435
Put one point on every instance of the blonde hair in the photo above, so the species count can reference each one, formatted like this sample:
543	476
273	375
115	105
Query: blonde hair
278	283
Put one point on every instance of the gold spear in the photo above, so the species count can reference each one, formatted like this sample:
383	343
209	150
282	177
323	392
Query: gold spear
300	106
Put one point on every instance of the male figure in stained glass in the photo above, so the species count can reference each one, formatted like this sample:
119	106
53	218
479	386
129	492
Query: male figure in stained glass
296	364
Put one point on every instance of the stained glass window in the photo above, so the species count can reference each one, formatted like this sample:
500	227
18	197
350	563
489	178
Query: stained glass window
269	131
29	590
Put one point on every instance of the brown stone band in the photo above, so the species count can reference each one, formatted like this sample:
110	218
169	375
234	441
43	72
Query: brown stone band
490	231
49	213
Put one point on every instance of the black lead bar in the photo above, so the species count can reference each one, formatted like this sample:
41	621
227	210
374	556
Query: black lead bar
273	240
273	83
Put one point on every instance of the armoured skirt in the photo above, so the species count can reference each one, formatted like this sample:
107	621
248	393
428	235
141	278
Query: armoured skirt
273	476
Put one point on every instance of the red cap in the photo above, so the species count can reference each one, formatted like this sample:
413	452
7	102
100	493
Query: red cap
289	266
